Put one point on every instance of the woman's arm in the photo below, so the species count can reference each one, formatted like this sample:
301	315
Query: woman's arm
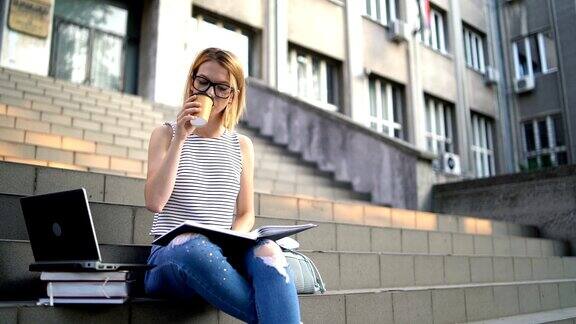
163	157
245	217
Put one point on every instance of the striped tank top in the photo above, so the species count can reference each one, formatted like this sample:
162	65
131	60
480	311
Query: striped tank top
207	183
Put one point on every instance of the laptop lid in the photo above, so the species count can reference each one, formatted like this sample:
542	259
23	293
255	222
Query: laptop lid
60	227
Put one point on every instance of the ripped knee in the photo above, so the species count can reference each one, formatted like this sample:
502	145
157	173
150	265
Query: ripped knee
183	238
271	254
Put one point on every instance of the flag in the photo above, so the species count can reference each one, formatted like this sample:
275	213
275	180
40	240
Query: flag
425	13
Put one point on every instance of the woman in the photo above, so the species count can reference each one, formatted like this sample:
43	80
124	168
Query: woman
203	174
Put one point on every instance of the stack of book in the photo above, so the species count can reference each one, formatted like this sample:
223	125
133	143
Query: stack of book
86	287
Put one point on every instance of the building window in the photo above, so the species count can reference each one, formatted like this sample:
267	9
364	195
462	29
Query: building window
435	36
439	126
534	54
382	11
386	107
89	43
474	49
482	145
314	78
213	31
544	143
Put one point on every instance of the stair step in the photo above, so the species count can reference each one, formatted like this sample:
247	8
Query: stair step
447	304
103	153
129	191
557	316
132	225
17	282
340	270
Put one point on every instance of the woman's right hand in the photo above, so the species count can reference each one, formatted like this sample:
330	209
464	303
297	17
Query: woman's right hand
189	111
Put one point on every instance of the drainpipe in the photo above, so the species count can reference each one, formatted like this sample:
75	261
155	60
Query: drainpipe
507	146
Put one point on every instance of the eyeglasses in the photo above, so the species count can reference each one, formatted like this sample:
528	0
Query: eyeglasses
221	90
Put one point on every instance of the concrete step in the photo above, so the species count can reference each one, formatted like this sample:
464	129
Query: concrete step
340	270
443	304
556	316
18	283
132	224
84	155
94	151
129	191
356	270
41	88
336	191
80	111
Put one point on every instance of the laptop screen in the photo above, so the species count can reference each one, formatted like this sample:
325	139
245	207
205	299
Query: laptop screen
60	226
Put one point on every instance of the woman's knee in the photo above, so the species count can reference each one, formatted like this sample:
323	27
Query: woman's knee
184	238
271	255
268	248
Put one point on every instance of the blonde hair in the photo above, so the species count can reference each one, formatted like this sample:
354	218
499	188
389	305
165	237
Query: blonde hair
230	62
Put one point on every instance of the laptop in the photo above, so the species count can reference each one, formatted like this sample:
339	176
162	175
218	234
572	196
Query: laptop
62	234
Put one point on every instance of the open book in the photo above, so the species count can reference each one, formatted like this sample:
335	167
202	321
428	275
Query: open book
224	236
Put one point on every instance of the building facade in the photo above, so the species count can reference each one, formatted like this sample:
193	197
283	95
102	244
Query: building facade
435	88
538	47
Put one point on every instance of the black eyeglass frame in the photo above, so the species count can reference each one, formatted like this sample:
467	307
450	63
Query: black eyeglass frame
212	84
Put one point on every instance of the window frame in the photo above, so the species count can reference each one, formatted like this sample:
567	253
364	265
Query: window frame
92	31
542	55
254	45
394	119
328	88
474	49
436	111
482	145
388	10
552	150
436	36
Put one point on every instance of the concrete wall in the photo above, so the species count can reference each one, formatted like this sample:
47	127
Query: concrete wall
148	44
544	99
473	13
317	25
427	178
443	4
387	169
565	15
526	17
438	76
480	97
249	12
385	58
546	199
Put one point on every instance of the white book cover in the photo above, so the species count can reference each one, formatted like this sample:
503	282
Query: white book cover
61	300
106	289
85	276
230	237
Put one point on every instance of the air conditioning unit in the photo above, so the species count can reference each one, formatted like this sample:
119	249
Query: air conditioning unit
524	84
451	163
491	75
398	31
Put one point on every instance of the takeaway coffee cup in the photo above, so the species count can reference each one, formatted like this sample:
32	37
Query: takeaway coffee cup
206	104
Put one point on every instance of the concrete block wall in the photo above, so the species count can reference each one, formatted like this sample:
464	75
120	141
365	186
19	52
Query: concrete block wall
543	199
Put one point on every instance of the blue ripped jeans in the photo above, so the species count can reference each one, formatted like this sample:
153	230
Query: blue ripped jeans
257	287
